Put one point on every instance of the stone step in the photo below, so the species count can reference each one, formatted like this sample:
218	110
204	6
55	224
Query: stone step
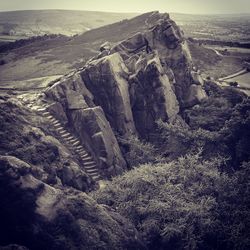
90	167
57	124
41	109
94	170
80	147
96	178
83	156
71	140
47	114
65	135
62	132
76	143
93	175
81	150
87	163
86	158
52	119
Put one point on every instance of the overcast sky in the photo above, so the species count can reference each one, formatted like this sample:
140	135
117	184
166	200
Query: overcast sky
181	6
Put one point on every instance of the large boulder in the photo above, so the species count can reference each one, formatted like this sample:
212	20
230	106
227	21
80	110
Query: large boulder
144	78
97	135
152	95
106	79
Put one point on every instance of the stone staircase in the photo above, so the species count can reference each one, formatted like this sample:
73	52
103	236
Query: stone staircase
73	143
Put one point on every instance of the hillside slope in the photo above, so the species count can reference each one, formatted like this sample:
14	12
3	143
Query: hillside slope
67	22
36	57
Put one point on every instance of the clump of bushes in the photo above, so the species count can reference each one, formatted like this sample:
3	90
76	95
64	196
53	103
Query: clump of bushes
139	152
185	204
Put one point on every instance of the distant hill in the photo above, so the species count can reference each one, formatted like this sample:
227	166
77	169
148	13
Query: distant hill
29	23
57	55
227	27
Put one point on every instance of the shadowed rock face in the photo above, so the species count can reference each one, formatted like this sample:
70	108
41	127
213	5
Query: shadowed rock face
152	95
107	79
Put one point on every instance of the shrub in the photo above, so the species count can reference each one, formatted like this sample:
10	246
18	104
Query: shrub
181	205
178	140
139	152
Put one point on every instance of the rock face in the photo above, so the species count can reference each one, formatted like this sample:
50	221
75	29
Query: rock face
127	88
164	36
107	79
53	218
88	122
152	95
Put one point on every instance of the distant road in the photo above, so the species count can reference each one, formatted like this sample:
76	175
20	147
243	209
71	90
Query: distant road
29	84
241	72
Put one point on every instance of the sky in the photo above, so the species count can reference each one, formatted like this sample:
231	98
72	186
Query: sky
180	6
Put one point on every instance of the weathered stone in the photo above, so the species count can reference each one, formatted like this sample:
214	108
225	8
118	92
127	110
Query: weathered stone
152	96
75	100
195	95
56	109
162	34
90	124
106	78
97	136
196	77
61	90
138	81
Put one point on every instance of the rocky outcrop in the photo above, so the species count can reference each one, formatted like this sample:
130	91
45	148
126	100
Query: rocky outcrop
163	35
152	95
107	80
38	216
127	88
88	122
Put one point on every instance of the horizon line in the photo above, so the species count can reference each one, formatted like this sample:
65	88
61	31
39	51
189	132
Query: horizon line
171	12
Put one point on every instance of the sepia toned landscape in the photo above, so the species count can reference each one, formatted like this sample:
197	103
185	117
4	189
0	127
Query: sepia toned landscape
124	130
